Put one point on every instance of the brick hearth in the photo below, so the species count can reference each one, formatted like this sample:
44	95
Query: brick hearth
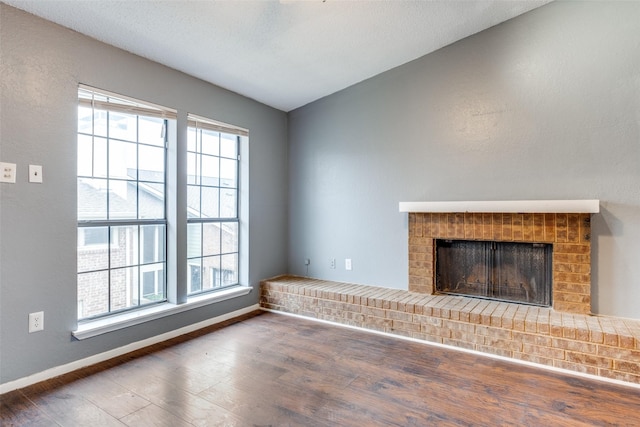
602	346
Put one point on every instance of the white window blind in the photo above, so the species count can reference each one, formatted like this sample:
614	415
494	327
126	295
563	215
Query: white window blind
99	99
212	125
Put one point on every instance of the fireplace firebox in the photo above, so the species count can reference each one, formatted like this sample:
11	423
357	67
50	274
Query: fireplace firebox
503	271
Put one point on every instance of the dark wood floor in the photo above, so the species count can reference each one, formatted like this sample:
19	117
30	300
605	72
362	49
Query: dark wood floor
274	370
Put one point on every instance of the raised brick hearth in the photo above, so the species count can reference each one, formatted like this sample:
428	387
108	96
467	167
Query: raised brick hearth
570	235
602	346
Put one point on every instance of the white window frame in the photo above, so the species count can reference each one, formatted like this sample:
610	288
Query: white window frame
100	173
200	126
177	277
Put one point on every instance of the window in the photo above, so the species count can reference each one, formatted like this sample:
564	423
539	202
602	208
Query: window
129	222
212	197
122	146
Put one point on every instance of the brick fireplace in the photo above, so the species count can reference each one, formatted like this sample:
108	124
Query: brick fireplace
569	234
564	336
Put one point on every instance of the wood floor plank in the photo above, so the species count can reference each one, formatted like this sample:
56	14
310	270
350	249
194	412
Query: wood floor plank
270	369
16	410
154	416
109	396
67	406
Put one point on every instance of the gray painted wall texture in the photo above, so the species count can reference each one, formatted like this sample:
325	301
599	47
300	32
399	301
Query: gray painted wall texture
41	65
544	106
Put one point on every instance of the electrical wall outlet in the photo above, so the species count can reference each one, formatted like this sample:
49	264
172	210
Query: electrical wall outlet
36	321
347	264
8	172
332	263
307	261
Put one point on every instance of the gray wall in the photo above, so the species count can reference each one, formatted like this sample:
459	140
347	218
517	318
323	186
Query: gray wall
41	66
545	106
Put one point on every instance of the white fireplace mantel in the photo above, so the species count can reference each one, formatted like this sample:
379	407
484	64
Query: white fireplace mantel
505	206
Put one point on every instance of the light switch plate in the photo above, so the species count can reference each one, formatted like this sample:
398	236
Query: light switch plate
35	173
8	172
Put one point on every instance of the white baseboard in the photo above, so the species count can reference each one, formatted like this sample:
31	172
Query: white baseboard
92	360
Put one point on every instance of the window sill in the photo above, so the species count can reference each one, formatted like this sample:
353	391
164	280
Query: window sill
113	323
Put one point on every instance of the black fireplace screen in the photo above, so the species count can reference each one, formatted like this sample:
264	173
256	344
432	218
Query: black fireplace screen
505	271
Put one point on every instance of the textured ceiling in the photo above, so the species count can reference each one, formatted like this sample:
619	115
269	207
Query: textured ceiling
283	53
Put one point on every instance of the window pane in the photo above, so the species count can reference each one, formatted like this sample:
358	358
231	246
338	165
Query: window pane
85	154
211	268
124	249
85	120
93	293
122	160
194	240
123	126
151	131
229	146
124	288
210	202
93	249
151	164
229	270
228	203
160	286
151	200
211	238
195	276
100	123
99	159
148	283
228	173
96	236
210	171
92	156
229	237
191	139
152	243
92	199
210	142
152	283
193	168
193	201
123	199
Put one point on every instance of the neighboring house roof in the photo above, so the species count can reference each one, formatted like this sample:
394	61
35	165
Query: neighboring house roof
94	199
150	196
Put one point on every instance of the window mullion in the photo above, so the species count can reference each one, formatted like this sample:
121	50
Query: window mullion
109	268
140	261
219	177
137	170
